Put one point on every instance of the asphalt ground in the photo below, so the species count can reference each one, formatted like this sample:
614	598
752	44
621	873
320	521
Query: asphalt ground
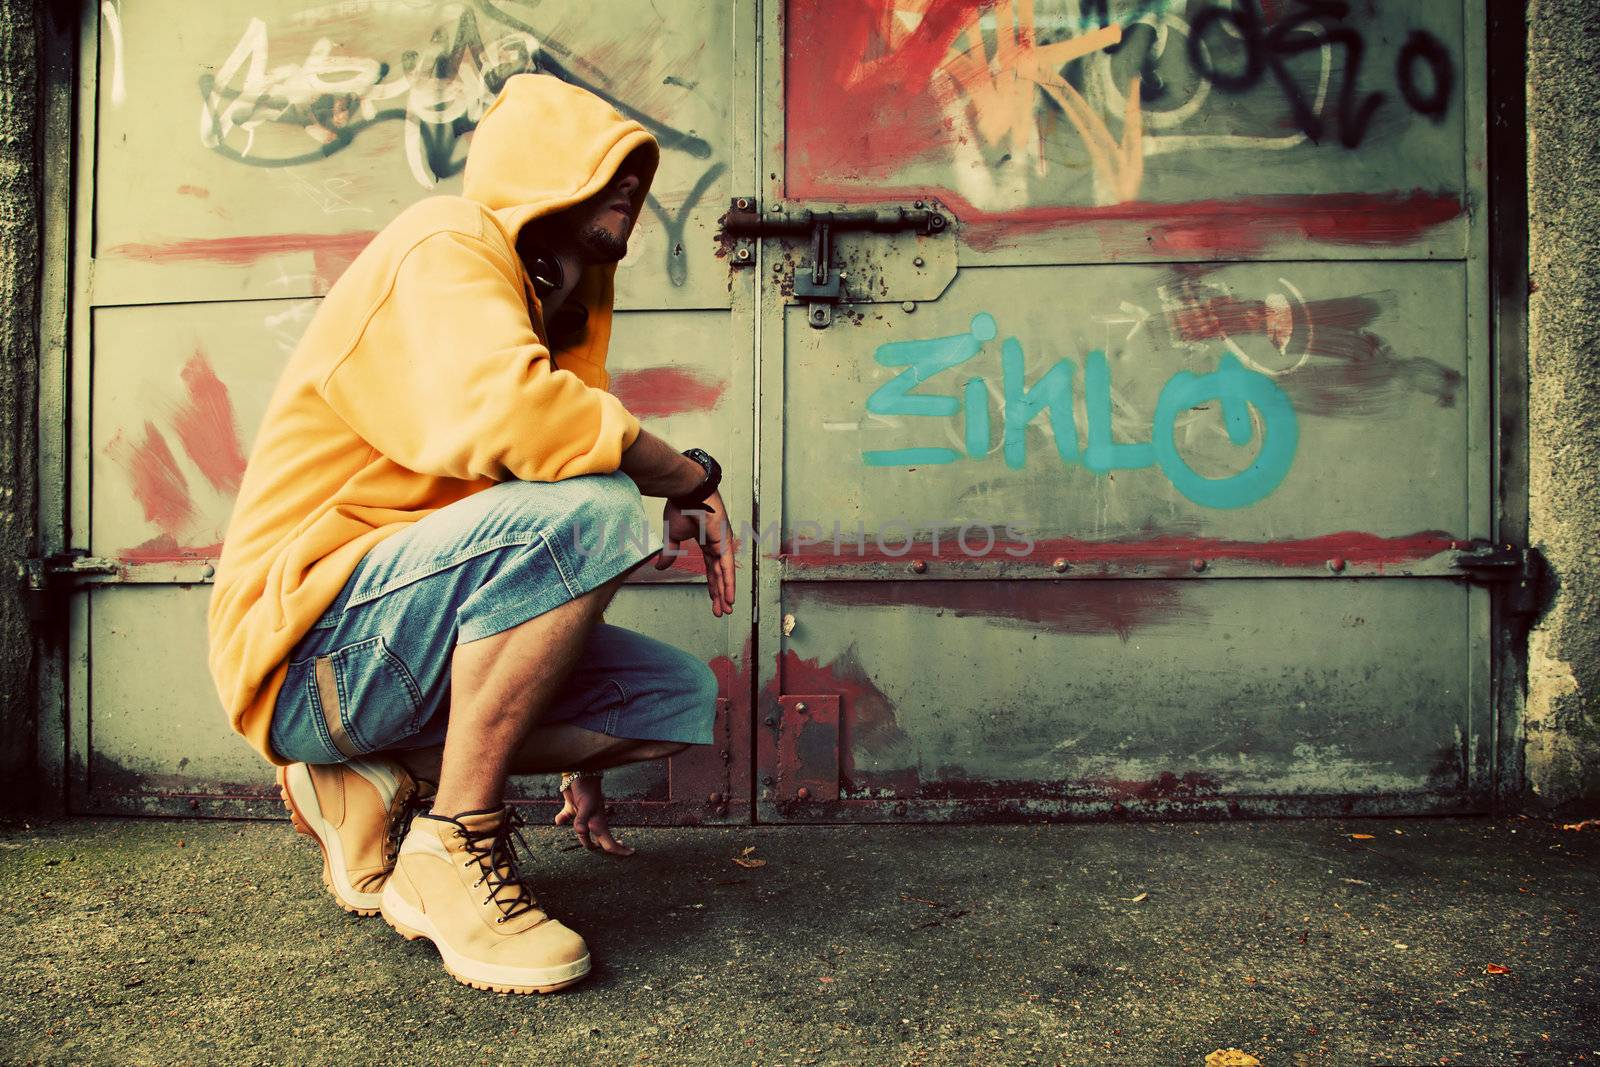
1294	941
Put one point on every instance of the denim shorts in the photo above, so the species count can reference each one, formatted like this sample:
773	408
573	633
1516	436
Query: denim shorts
373	673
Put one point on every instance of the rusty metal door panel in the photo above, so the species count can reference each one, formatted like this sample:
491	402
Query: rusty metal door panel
968	699
228	170
1063	130
1140	483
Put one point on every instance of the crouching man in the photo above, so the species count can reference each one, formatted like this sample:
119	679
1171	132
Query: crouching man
441	500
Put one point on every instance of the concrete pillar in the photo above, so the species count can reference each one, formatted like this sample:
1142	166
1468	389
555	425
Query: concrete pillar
19	376
1563	710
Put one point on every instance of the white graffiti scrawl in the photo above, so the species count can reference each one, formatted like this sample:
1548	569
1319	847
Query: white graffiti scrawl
440	92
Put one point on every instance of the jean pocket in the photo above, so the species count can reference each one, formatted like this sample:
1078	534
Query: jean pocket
367	697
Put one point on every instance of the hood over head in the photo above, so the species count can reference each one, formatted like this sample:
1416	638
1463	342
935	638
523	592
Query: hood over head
545	145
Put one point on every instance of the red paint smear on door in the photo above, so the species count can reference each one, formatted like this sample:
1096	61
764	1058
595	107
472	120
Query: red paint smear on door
1088	607
866	720
866	715
206	427
158	484
331	252
859	105
655	392
1322	327
165	548
1175	552
1359	374
1246	226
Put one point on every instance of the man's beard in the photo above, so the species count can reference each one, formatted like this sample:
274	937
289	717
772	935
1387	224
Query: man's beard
600	245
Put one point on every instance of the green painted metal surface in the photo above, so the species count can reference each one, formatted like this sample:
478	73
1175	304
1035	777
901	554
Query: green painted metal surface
1152	509
1204	349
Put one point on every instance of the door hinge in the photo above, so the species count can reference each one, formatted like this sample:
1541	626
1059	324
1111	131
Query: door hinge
46	578
818	279
1519	570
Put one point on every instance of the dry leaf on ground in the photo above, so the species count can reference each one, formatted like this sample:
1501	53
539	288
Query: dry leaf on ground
1361	837
1231	1057
741	861
1585	824
1495	968
1135	900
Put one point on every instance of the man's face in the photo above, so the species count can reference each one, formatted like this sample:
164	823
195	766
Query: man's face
601	224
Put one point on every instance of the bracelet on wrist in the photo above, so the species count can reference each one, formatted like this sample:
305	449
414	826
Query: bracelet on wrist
567	777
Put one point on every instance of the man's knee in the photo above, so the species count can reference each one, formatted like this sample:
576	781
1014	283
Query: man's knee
608	504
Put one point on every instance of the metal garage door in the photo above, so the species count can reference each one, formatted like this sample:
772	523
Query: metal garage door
1136	485
233	157
1110	450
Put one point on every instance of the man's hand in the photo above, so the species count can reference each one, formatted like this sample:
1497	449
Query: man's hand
585	809
711	531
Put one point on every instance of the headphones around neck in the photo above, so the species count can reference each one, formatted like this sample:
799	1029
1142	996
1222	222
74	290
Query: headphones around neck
545	271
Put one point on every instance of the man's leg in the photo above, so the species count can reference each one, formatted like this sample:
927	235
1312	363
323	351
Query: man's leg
376	670
456	880
549	748
628	698
499	687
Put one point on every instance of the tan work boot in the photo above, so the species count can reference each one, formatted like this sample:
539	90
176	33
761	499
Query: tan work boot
356	811
456	883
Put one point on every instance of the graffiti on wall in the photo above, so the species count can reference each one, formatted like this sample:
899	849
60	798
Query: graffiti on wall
265	113
1253	406
1249	367
1055	111
438	91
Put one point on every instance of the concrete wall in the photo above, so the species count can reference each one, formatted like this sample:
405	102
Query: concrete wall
19	375
1563	710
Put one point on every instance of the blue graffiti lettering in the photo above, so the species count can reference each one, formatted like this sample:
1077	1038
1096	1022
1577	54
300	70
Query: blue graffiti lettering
1103	454
1235	387
1238	390
922	360
1052	394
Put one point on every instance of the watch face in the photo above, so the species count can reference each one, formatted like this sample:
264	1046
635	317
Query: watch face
704	458
709	483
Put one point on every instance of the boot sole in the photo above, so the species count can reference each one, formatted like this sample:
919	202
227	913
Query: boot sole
302	825
414	926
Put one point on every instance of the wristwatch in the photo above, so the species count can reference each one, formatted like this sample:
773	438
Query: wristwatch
692	500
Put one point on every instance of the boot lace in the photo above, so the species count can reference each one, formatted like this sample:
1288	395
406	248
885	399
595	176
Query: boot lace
498	850
400	821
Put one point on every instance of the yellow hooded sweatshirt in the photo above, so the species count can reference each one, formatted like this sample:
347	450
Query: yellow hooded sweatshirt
425	376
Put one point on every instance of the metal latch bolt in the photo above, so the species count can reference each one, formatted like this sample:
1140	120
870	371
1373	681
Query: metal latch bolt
818	280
